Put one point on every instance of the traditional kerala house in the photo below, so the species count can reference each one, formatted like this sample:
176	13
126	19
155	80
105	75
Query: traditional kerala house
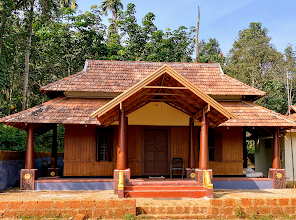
138	117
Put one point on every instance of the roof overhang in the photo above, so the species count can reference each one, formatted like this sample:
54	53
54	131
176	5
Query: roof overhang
165	85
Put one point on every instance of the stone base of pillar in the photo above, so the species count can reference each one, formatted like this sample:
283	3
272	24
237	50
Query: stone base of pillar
127	176
28	177
53	172
279	178
190	173
199	176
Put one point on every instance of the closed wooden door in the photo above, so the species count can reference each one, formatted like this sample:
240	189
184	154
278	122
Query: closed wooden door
156	152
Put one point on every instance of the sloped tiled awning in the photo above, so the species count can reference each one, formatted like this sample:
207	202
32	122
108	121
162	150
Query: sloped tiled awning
252	115
61	110
168	86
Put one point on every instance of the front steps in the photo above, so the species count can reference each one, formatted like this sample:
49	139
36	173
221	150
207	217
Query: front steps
164	189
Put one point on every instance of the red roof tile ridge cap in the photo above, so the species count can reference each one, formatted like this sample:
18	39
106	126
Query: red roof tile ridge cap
151	62
30	110
268	110
229	78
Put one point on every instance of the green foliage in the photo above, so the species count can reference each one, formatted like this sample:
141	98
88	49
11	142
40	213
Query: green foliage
129	216
15	139
210	52
255	61
12	138
251	147
239	213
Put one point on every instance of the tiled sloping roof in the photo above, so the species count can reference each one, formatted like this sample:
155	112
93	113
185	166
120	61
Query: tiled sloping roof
64	110
250	114
61	110
118	76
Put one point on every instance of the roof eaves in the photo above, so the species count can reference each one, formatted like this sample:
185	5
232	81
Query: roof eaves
269	111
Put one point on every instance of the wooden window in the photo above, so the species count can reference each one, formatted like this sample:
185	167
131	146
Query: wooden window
104	144
215	145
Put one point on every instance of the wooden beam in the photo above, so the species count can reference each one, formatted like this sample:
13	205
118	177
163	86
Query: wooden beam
267	130
162	94
163	87
197	115
172	104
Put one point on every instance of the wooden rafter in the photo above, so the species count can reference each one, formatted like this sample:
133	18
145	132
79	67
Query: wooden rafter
179	109
163	87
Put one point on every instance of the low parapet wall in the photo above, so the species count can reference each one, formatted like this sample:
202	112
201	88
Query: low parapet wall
117	208
11	163
95	209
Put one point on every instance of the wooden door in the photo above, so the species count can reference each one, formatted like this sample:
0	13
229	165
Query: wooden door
156	152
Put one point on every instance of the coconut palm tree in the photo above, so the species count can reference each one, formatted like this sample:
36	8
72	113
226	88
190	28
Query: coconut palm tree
114	6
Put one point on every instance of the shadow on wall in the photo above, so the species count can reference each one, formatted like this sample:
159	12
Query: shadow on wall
10	170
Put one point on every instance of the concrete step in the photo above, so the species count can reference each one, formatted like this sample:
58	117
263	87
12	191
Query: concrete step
163	187
161	183
165	193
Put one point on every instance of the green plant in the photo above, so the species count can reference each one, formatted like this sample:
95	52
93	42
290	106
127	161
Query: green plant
129	216
268	217
239	212
253	216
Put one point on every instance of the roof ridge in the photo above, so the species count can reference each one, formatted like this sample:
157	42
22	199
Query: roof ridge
268	110
151	62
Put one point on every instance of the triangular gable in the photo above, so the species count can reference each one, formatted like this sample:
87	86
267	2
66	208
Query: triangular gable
165	69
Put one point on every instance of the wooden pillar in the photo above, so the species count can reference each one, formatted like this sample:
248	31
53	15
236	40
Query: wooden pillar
54	150
204	151
121	148
276	164
191	161
245	152
29	163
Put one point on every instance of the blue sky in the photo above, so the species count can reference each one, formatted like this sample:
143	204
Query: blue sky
220	19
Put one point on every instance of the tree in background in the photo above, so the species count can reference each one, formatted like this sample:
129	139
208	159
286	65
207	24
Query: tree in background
254	61
290	70
114	6
210	52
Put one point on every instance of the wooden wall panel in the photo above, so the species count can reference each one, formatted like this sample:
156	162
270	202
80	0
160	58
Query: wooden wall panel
227	168
134	149
180	144
80	150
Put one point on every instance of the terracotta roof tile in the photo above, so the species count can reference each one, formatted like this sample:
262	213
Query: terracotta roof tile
118	76
65	110
250	114
61	110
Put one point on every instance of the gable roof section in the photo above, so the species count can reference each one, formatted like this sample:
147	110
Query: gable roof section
118	76
138	90
251	114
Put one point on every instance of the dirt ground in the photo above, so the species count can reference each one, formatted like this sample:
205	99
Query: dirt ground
17	195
